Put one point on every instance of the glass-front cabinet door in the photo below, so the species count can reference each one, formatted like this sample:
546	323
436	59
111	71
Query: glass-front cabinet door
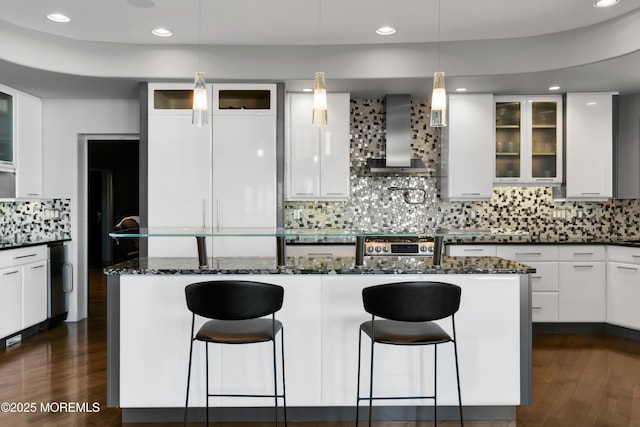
508	141
7	128
528	140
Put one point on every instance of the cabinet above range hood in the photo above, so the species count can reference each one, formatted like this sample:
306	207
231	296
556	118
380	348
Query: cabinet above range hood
398	139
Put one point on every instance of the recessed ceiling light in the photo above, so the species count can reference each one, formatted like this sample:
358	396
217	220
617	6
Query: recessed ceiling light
58	17
385	31
605	3
161	32
591	103
554	87
307	89
461	89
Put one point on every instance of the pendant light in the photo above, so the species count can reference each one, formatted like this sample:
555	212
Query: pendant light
319	117
200	113
439	94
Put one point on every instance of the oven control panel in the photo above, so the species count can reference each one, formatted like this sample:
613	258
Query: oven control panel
424	248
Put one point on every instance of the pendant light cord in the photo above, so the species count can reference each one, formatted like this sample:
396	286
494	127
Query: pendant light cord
200	35
439	36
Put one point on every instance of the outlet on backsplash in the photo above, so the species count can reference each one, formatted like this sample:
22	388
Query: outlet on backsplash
51	214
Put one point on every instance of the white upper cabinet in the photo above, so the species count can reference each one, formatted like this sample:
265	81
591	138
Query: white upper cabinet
29	146
528	140
7	128
589	163
467	142
244	98
317	159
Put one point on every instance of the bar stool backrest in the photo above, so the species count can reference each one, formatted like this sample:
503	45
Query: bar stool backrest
412	301
233	299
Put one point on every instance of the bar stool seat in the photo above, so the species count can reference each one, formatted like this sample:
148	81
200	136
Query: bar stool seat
234	332
405	333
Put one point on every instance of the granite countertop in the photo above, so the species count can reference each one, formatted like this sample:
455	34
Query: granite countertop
10	244
632	241
321	265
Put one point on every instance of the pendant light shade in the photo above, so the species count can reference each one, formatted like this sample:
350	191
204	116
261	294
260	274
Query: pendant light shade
438	101
319	118
200	109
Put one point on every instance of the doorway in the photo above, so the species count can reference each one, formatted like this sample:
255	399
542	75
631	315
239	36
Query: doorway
112	195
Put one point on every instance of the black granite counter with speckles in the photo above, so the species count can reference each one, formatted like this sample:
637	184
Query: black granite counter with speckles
321	265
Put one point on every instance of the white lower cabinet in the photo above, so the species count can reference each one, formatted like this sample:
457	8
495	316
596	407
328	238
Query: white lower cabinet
23	288
582	278
544	306
544	282
623	287
10	301
34	293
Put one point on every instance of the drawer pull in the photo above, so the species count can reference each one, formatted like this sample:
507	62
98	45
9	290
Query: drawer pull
470	194
536	308
627	268
304	194
582	253
635	256
335	194
320	254
473	250
528	253
37	266
536	277
24	256
10	272
583	266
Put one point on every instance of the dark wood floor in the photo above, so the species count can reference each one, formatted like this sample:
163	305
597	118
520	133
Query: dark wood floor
578	380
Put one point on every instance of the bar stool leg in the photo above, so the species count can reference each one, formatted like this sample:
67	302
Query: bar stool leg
284	388
358	381
455	352
275	382
435	385
186	402
371	382
206	380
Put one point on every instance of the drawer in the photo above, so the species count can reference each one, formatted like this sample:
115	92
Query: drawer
624	254
582	253
544	306
471	250
320	250
528	252
546	276
20	256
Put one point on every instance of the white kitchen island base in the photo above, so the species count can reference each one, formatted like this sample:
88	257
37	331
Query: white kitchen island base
148	350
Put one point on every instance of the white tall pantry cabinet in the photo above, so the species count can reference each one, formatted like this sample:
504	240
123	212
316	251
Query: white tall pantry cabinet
223	175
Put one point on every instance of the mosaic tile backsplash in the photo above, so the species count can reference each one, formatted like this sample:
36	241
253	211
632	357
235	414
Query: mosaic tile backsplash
24	221
411	203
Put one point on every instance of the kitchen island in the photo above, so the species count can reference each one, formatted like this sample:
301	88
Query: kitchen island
149	325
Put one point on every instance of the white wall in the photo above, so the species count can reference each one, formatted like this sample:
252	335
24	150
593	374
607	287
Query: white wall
63	121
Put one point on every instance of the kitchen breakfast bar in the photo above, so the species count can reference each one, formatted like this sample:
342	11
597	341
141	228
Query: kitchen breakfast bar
149	326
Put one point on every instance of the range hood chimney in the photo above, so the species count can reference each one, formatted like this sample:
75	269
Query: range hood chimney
398	139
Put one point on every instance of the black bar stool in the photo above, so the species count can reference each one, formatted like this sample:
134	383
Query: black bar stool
236	308
407	311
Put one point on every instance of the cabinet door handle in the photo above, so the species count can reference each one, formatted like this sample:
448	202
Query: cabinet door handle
635	256
335	194
11	272
528	253
536	277
304	194
470	194
582	253
583	266
626	268
473	250
68	264
545	179
590	194
33	194
24	256
320	254
536	308
37	266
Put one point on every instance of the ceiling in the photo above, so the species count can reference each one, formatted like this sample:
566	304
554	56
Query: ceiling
498	46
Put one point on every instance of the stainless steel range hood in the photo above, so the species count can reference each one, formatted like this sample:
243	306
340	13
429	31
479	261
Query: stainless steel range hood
398	139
